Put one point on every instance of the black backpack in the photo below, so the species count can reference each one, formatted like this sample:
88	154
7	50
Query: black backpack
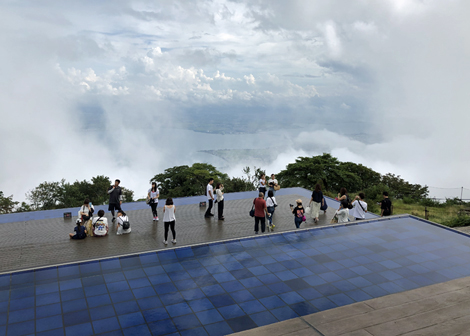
126	225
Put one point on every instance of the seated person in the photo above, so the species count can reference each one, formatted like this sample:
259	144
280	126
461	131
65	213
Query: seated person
122	222
100	225
343	213
80	232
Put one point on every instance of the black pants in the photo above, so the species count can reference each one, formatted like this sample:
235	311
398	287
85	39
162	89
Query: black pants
263	223
154	209
208	211
172	226
220	209
263	190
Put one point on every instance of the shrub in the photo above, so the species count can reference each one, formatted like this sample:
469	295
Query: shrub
430	202
461	220
408	200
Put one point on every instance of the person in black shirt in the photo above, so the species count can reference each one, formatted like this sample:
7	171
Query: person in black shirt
385	205
115	193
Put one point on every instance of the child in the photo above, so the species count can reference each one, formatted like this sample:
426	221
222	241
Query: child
100	224
122	221
169	219
343	213
299	213
80	232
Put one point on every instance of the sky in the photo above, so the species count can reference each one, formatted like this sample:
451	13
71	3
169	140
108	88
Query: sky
127	89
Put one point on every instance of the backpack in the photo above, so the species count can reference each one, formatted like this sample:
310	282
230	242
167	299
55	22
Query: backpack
126	225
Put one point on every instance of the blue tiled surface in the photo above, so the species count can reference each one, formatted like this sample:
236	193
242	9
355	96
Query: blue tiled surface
226	287
58	213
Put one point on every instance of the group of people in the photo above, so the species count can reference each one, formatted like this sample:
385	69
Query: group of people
89	226
358	206
212	198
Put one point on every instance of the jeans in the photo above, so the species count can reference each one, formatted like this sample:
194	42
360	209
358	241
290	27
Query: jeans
208	211
270	218
154	209
297	221
274	191
220	209
263	223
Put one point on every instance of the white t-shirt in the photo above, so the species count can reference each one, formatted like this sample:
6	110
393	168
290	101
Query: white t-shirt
101	227
169	213
211	189
343	215
220	195
154	195
262	183
272	181
270	201
120	229
357	211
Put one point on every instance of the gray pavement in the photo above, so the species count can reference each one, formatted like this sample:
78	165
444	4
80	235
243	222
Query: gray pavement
45	242
440	310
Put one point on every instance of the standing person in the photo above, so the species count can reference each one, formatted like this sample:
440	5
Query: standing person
153	195
343	212
272	182
360	207
115	194
169	219
86	215
100	225
343	194
80	232
299	213
317	201
385	205
260	212
262	184
271	206
220	200
210	198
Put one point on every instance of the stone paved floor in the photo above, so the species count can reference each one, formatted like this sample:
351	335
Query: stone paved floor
440	310
45	242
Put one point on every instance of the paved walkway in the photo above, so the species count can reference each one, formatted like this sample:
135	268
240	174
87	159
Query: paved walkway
440	309
43	242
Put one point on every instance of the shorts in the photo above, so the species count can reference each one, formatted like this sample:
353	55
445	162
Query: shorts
114	206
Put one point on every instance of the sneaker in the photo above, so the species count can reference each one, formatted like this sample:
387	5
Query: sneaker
222	218
273	226
156	218
114	218
165	242
174	241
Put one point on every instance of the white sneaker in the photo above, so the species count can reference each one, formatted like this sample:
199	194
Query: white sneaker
174	241
156	218
165	242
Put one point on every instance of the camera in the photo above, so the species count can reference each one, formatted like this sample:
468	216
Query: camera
291	205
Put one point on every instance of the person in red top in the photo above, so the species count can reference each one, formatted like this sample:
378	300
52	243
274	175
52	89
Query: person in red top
260	211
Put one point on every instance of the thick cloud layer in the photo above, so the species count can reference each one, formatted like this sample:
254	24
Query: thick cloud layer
129	88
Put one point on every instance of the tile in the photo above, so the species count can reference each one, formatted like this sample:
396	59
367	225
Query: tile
263	318
102	312
143	292
126	307
22	328
209	316
84	329
303	308
74	305
49	310
140	330
150	302
178	309
221	300
200	305
251	307
232	286
172	298
77	317
186	322
132	319
105	325
241	323
218	329
242	296
272	302
231	311
155	314
291	297
192	294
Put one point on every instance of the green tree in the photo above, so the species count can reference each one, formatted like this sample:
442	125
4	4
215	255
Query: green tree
401	188
307	171
47	195
368	176
6	203
181	181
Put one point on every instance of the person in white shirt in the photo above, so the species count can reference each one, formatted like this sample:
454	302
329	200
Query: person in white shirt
153	194
169	219
343	212
271	206
100	225
262	184
210	198
272	182
122	219
360	207
220	200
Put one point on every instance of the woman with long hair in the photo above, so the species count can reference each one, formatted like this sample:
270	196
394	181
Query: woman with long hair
169	219
220	200
317	201
153	194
